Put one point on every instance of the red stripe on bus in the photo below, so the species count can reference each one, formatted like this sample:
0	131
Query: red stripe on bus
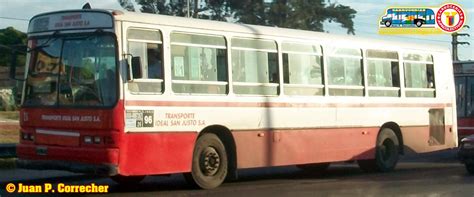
171	152
261	148
270	104
279	147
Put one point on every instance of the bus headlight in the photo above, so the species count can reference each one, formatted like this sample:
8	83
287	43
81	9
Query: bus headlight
24	136
88	139
31	137
27	136
97	140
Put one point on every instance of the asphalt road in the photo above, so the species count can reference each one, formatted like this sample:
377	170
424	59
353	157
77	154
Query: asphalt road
437	174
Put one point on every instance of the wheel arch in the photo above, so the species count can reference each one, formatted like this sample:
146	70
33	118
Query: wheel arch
395	128
225	135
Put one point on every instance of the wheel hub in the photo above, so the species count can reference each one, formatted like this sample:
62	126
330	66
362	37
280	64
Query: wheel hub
209	161
387	149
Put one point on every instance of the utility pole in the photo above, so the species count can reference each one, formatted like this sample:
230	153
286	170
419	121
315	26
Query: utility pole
455	43
187	2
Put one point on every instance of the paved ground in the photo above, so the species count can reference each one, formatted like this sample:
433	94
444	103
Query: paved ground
434	174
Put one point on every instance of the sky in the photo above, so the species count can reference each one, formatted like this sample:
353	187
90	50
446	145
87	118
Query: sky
16	13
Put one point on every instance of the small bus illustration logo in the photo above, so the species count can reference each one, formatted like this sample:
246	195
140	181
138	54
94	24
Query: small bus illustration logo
408	17
422	20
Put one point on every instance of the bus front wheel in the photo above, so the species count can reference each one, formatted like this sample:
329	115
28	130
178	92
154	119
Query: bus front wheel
419	23
386	153
388	23
209	163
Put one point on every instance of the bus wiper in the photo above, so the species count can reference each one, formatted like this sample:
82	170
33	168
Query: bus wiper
96	33
53	38
84	37
38	47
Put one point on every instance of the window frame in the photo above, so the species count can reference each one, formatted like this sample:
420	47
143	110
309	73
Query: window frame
260	85
319	88
224	47
146	81
427	64
327	53
391	60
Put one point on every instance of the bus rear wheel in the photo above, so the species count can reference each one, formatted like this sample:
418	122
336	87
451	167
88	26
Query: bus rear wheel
386	153
209	163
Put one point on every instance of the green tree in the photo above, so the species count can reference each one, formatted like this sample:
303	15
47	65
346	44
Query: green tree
11	39
166	7
127	4
296	14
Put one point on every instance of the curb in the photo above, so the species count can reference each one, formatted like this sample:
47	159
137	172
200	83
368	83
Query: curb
10	126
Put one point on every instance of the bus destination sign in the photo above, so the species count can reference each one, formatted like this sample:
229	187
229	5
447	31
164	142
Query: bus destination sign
70	20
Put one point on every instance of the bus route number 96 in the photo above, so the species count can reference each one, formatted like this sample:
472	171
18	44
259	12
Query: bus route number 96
148	119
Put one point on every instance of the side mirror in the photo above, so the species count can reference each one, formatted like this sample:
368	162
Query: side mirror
136	67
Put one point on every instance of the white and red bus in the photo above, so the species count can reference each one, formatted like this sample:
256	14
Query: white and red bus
464	78
130	94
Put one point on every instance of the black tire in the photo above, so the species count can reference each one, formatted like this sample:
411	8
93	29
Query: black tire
127	180
386	153
314	168
419	23
388	23
209	163
470	168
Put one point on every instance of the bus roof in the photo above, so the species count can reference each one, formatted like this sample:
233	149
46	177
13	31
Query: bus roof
210	25
265	30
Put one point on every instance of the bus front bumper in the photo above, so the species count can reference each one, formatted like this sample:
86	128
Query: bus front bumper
100	161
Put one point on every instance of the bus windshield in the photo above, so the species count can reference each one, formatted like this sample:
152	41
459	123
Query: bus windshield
72	71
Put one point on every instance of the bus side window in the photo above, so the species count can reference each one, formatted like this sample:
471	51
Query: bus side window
255	66
383	73
461	88
150	60
344	71
198	63
155	63
469	103
419	75
146	47
302	69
